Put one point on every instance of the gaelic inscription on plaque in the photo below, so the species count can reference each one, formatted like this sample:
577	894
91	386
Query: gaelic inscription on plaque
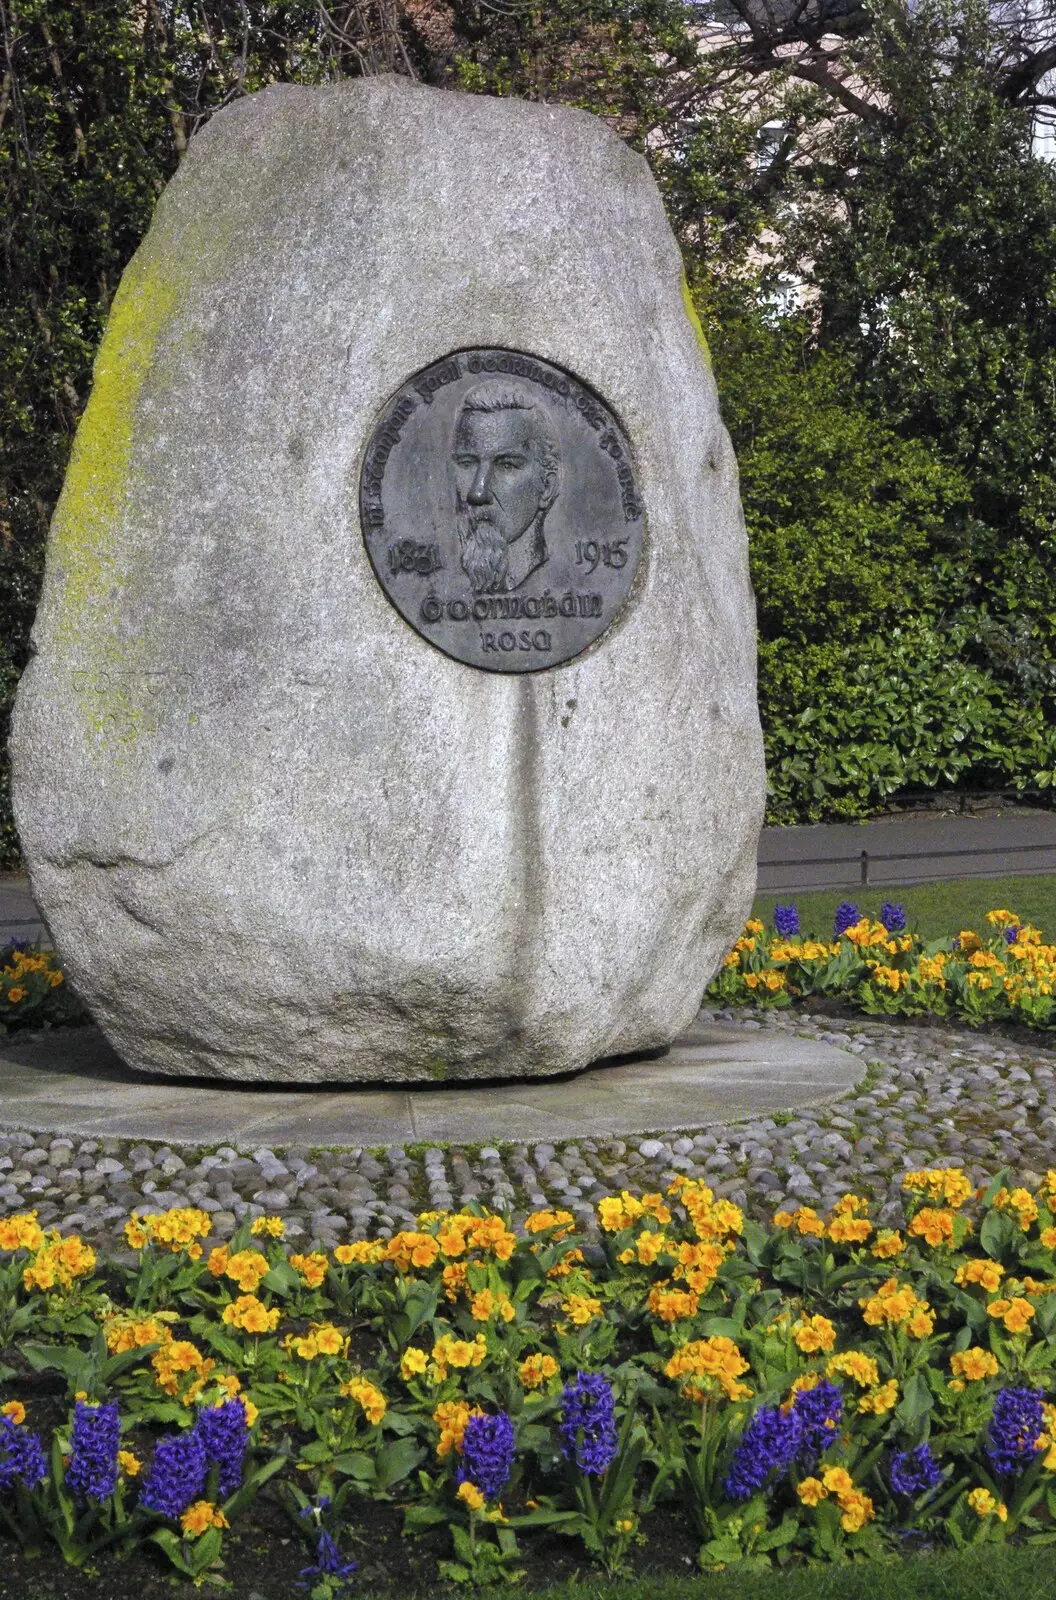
500	510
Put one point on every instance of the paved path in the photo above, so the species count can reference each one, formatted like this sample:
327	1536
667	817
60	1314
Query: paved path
1014	843
19	917
69	1081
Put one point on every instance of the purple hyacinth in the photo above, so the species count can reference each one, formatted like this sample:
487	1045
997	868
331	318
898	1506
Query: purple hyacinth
328	1564
893	917
786	920
588	1423
1012	1437
487	1454
177	1474
1011	935
820	1411
21	1457
223	1433
846	917
769	1443
95	1439
913	1471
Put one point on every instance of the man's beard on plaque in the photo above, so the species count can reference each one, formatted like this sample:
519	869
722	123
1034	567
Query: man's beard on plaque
485	553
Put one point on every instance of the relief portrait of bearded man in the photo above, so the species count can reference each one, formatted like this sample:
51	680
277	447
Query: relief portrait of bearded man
506	464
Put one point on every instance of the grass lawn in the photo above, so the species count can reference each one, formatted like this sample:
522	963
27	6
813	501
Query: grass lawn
985	1572
932	909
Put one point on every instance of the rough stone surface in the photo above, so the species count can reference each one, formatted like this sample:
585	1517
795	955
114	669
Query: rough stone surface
407	868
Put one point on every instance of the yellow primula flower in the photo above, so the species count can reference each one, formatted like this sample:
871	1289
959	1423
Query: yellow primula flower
451	1417
1016	1314
880	1400
470	1496
362	1253
58	1262
811	1490
21	1232
672	1305
854	1364
617	1213
246	1268
413	1363
485	1306
271	1227
934	1225
707	1366
987	1274
581	1308
539	1221
982	1502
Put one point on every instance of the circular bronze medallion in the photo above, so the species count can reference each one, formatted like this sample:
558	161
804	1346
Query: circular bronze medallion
501	511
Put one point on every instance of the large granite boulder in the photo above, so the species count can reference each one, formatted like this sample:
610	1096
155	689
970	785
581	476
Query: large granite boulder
290	815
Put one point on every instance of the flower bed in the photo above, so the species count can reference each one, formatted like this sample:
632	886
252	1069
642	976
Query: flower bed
33	989
817	1388
1006	974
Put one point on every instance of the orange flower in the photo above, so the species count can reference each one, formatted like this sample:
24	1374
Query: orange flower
973	1364
251	1315
246	1268
535	1370
932	1225
814	1333
368	1397
1016	1313
312	1268
203	1514
987	1274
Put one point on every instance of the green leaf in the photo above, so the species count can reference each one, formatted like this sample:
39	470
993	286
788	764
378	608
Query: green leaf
396	1459
355	1464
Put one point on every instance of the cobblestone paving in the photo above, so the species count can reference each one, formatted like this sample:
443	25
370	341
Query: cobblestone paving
930	1096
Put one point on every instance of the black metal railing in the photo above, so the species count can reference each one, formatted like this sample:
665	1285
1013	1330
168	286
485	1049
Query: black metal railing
865	859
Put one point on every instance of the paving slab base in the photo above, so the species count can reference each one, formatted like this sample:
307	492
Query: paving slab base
71	1082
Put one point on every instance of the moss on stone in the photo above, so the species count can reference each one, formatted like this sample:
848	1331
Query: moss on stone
93	496
691	313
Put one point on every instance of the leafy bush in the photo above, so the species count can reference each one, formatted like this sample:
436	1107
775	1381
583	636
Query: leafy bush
882	666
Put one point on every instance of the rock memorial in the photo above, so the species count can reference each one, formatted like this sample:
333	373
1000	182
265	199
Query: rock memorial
393	714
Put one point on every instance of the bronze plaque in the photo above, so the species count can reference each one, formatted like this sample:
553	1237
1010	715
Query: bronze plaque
501	511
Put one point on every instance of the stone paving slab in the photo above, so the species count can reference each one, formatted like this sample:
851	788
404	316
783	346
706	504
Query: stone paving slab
69	1081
